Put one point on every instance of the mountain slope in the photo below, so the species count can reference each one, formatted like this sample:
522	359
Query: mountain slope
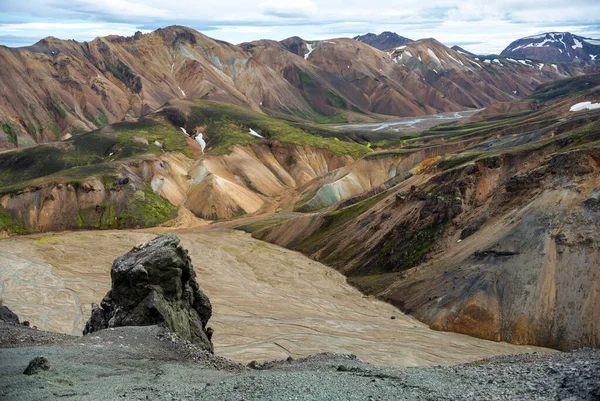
555	47
490	231
62	88
55	87
383	41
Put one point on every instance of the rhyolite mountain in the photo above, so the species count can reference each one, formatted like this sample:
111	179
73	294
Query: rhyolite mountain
384	41
488	228
60	88
555	47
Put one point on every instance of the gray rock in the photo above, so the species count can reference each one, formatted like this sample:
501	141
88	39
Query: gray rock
36	365
8	316
155	283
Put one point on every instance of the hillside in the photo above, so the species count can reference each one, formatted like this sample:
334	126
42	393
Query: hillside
490	232
555	47
56	88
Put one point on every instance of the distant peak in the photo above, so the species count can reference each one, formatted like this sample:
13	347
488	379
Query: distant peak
384	41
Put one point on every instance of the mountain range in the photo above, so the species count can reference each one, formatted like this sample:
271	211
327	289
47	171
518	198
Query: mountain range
555	47
59	88
485	226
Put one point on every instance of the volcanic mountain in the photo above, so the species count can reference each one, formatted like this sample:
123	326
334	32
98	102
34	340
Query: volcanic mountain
555	47
57	89
488	229
384	41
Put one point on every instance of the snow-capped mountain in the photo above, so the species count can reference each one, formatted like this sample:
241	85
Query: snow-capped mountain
384	41
555	47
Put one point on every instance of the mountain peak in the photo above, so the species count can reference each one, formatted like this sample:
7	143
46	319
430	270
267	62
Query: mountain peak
384	41
555	47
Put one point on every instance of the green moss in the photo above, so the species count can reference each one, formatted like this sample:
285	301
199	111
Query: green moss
304	77
40	127
151	209
123	73
563	88
227	126
9	224
259	225
335	100
12	135
339	217
56	106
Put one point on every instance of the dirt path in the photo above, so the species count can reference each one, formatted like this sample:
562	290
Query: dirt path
268	302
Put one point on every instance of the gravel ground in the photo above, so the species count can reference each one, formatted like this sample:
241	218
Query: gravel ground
140	363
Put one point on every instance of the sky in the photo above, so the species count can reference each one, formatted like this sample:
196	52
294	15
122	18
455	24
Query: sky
483	27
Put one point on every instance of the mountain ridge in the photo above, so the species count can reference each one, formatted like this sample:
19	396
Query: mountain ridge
555	47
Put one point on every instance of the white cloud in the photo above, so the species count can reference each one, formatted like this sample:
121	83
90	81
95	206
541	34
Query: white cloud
478	26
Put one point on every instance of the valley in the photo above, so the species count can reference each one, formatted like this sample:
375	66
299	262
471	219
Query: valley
268	302
412	123
456	188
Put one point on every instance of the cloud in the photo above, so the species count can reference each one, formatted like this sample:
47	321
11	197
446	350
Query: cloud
480	26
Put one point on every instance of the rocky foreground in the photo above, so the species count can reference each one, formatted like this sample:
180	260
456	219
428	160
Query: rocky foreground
149	340
138	363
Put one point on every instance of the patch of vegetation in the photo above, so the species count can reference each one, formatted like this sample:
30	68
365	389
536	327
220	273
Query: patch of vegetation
123	73
335	100
258	225
456	160
12	135
99	119
9	224
149	209
304	77
292	160
40	127
338	217
56	107
228	125
563	88
139	137
400	250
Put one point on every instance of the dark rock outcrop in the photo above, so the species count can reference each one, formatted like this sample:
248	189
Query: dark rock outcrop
36	365
7	315
155	283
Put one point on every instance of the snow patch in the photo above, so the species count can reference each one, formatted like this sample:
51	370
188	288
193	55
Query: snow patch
457	61
310	50
593	57
497	61
434	56
181	90
541	66
577	45
158	144
409	54
585	106
555	67
487	61
252	132
400	47
200	139
172	67
184	131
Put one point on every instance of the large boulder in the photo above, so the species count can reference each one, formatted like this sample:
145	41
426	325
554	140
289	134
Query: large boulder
7	315
155	283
